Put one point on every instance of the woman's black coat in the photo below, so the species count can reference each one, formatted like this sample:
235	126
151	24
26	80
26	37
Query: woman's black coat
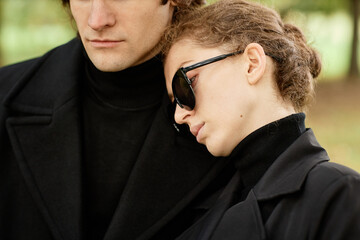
40	163
301	196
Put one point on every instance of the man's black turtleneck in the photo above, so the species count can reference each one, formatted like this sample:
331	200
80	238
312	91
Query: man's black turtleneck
118	109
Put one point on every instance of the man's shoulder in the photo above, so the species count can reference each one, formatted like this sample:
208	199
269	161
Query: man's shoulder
16	69
11	74
65	49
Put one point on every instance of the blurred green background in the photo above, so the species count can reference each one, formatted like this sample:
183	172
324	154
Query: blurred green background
30	28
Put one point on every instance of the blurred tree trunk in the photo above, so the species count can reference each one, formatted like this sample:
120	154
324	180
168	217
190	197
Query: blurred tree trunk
354	68
1	22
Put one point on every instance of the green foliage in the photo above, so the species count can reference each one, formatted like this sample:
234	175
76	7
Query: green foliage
33	12
324	6
335	118
30	28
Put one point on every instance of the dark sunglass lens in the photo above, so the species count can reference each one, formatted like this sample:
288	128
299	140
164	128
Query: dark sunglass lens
182	91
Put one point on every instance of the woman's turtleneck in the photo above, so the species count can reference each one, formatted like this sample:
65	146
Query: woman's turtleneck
118	109
254	155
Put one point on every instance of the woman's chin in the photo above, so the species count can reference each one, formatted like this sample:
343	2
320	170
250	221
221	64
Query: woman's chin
218	151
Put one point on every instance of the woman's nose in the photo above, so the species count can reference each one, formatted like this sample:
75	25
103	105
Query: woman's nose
182	115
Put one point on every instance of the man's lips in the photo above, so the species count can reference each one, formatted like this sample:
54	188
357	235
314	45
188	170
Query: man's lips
104	43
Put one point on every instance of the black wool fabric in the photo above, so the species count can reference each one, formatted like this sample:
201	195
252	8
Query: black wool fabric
258	151
255	154
118	109
251	158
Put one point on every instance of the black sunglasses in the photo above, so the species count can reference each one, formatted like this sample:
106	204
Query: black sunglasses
181	85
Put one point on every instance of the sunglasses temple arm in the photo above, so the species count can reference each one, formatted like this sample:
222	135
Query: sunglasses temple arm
203	63
210	60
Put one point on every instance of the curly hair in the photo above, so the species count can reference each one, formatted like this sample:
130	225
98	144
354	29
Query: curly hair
233	24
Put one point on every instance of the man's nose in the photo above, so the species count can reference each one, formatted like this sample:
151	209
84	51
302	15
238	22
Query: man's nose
182	115
101	16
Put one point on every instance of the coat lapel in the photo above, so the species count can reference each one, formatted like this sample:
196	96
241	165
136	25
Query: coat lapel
241	221
48	152
45	136
205	227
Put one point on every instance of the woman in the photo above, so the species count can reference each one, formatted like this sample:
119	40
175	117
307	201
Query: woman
241	79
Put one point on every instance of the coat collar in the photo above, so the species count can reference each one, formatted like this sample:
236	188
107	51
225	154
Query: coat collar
289	171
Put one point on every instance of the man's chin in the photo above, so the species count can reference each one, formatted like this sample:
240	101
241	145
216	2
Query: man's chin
109	66
113	62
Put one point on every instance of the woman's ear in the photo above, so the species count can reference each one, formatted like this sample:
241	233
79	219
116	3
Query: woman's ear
256	62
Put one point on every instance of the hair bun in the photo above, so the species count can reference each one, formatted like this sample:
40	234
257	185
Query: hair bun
293	31
315	64
310	56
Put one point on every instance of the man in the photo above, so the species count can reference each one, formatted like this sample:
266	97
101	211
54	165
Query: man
87	148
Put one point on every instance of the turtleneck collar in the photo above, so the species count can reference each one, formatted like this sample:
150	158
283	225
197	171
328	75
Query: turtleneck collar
254	155
134	88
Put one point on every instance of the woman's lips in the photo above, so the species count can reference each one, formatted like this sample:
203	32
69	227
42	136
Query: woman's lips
195	130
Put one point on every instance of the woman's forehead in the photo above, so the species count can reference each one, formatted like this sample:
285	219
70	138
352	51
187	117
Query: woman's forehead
186	51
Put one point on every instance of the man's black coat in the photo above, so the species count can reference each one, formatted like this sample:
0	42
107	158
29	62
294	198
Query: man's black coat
40	163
